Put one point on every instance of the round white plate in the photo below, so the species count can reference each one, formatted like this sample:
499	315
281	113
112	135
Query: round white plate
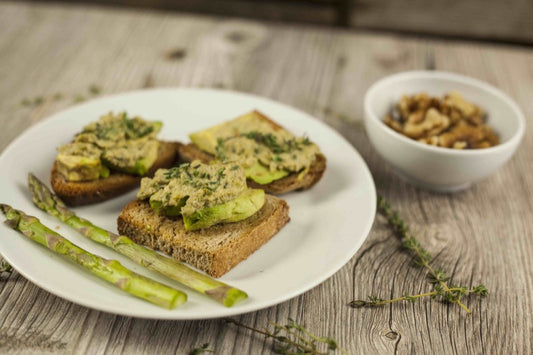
328	222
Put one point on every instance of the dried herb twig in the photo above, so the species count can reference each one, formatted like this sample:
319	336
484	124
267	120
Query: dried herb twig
200	350
5	267
437	277
450	295
293	338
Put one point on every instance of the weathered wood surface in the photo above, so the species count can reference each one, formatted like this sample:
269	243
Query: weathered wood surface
509	20
321	11
493	20
481	235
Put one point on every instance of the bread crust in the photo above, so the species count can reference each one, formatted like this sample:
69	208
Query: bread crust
77	193
291	182
216	249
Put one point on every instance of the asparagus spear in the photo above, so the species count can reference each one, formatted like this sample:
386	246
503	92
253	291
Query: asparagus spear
110	270
176	270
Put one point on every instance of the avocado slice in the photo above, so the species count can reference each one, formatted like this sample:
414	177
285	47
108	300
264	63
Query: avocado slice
162	209
80	162
206	139
242	207
132	157
263	175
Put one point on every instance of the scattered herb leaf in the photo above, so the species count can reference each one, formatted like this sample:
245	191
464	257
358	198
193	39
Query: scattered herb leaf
39	100
176	54
293	338
5	267
200	350
94	90
79	98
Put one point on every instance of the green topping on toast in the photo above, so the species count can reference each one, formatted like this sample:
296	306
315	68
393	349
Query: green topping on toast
202	194
266	151
113	142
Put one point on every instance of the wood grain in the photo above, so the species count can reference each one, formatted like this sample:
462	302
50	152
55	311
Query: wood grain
483	19
479	235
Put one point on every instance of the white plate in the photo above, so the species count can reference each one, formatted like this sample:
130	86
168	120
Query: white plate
328	222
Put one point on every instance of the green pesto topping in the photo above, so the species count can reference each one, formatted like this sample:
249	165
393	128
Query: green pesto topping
117	142
277	152
266	151
119	128
191	187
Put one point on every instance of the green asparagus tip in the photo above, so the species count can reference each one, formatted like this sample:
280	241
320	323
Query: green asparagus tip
12	218
47	201
5	207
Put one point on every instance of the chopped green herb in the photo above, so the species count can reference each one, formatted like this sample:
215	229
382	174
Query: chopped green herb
26	102
79	98
94	90
200	350
270	141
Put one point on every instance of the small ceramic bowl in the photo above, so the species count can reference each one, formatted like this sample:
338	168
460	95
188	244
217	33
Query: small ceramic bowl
437	168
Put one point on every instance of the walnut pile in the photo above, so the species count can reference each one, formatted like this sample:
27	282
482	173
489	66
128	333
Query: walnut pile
450	122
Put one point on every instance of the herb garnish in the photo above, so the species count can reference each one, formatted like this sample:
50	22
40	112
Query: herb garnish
437	277
5	267
202	349
271	141
195	178
93	90
221	154
135	128
293	338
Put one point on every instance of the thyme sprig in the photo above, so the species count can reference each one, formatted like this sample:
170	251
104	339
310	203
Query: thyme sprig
201	349
293	338
455	292
5	267
436	276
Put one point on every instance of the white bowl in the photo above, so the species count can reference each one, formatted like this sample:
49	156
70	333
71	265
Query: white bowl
437	168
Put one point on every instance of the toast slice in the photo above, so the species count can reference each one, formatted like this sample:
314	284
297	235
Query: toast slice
216	249
77	193
292	182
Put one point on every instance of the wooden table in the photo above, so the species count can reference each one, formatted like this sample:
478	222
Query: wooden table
483	234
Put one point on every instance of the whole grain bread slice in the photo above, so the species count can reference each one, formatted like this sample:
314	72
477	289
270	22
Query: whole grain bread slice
216	249
292	182
77	193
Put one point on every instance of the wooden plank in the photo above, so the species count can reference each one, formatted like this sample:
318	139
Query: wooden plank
324	72
490	20
317	11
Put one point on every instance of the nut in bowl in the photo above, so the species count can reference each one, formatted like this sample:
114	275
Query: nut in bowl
434	167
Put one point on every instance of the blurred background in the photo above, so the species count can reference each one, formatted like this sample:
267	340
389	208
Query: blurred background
508	21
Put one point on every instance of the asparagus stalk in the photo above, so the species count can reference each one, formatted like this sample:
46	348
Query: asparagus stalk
110	270
174	269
